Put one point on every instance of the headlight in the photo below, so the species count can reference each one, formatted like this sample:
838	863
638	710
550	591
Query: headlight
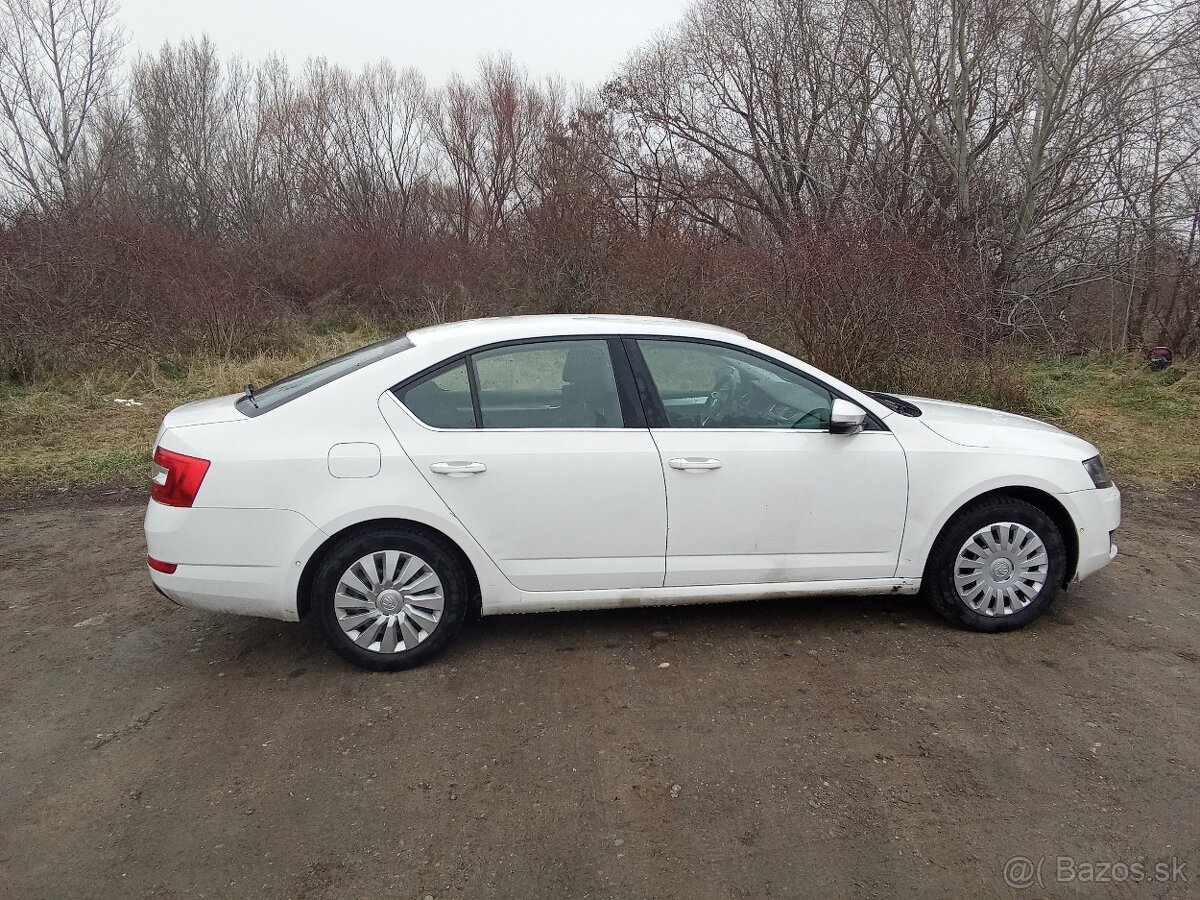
1095	468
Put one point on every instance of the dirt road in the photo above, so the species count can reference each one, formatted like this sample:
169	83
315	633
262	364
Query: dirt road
802	748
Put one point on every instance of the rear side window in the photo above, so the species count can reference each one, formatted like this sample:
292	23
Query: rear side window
541	384
274	395
553	384
443	399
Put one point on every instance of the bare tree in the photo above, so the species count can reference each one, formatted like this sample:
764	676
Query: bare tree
752	109
57	68
1046	153
183	109
490	135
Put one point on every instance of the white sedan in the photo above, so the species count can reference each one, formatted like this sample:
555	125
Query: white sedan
577	462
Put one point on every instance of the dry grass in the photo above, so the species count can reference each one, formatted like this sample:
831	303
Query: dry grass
1146	423
70	430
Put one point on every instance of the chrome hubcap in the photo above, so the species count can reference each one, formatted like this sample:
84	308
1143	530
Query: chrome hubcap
389	601
1000	570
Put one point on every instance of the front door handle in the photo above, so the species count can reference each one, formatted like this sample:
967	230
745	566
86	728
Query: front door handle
457	468
694	463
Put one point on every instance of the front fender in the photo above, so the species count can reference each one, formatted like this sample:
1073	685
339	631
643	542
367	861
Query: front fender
944	477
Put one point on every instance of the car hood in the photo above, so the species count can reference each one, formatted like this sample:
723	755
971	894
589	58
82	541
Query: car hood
977	426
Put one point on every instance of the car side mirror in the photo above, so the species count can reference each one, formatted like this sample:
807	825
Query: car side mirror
846	417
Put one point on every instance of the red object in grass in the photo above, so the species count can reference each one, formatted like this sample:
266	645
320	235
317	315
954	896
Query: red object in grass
159	566
177	477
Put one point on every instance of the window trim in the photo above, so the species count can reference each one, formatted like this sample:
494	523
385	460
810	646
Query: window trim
632	412
656	412
473	387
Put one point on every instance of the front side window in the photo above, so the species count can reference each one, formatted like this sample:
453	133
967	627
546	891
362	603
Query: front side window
545	384
711	386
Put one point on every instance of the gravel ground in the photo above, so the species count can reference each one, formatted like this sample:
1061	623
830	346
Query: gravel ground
849	748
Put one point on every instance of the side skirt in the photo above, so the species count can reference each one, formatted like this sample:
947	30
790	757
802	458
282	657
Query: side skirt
563	601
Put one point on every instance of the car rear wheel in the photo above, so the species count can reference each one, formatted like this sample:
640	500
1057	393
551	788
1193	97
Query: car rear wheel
389	598
997	566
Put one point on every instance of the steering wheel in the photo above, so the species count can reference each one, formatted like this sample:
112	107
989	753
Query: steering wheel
723	399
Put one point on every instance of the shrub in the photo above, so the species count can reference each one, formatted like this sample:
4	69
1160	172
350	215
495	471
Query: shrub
873	307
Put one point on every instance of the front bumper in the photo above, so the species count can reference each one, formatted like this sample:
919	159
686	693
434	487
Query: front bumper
243	561
1097	514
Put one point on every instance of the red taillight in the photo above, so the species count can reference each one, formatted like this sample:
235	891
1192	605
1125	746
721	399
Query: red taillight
159	566
176	477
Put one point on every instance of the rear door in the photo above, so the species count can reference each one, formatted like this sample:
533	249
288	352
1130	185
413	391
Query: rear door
758	489
540	448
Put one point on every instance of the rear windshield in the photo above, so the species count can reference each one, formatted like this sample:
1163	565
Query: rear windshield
267	398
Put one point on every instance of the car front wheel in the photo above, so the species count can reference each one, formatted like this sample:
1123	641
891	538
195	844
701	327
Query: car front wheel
997	566
389	598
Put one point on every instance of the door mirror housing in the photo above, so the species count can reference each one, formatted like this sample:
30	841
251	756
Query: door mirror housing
846	417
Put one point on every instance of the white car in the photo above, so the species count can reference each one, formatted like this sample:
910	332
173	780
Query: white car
577	462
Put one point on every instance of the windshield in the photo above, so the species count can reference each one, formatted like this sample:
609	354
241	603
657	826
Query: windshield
265	399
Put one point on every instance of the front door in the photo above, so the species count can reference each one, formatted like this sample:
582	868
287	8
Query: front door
758	489
527	445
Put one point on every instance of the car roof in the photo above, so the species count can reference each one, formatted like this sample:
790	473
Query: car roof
476	332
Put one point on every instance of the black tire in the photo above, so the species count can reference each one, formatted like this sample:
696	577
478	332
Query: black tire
938	584
446	564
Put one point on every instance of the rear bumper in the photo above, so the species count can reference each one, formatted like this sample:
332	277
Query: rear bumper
1097	514
243	561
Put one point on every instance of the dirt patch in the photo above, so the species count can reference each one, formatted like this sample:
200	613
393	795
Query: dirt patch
850	748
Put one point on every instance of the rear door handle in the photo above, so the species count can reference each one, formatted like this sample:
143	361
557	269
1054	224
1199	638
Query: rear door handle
694	463
457	468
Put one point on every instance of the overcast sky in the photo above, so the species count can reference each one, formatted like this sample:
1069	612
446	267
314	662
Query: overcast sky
582	41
